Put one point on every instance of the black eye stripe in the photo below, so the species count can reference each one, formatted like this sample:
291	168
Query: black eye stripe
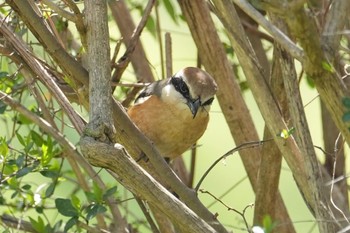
181	87
208	102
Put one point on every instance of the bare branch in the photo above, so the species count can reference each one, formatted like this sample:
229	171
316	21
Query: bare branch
135	179
124	21
38	27
279	36
229	95
65	14
99	67
335	22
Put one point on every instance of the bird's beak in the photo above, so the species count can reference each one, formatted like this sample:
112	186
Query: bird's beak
194	106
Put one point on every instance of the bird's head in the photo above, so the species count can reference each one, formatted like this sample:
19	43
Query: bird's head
193	87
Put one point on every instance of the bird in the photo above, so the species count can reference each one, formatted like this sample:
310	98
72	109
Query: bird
174	112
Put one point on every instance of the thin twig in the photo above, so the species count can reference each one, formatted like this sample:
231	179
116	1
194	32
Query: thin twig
125	59
45	76
229	190
243	146
333	177
130	84
230	208
43	124
147	214
168	55
160	42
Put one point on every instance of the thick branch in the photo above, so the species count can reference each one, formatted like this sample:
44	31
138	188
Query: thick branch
271	161
135	179
261	91
229	95
335	21
303	137
99	66
263	97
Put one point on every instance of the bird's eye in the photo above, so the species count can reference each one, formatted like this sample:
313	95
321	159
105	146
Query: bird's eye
181	87
208	102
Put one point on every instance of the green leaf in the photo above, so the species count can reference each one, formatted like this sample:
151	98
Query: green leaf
24	171
37	139
57	226
346	102
50	190
151	26
90	196
70	223
20	139
49	173
4	149
65	207
76	202
20	161
328	67
98	192
14	194
267	221
3	74
3	107
26	187
93	210
310	81
110	192
39	209
170	9
21	119
346	116
46	155
39	226
13	183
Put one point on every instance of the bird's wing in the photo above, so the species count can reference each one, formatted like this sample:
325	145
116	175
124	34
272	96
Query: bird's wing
154	88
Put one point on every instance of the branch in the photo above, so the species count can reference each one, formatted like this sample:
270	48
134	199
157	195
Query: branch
270	167
279	36
336	19
242	214
329	85
303	138
271	159
37	68
44	125
261	91
99	69
37	26
232	104
18	224
42	73
135	179
59	10
131	39
241	147
263	97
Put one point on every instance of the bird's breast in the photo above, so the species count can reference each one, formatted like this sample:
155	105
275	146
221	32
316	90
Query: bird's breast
171	127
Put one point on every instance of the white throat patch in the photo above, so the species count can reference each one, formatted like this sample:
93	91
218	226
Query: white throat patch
172	96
